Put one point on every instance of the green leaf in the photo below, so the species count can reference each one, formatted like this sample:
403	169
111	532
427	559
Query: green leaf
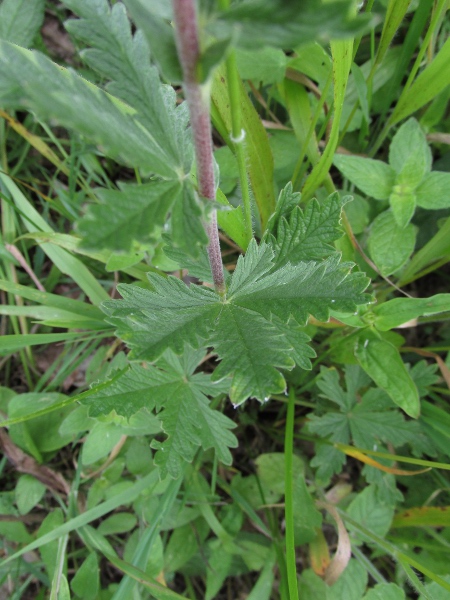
301	290
372	514
433	192
251	350
248	327
306	516
29	492
308	234
403	205
373	177
86	581
30	80
179	398
160	37
390	245
383	363
431	81
366	418
264	24
128	217
361	88
21	20
123	59
409	151
258	155
170	315
401	310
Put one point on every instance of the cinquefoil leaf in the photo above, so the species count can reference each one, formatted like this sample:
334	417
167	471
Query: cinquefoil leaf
178	396
308	234
255	329
124	60
30	80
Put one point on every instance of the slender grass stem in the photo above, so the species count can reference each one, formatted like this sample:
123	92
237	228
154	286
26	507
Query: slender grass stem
289	498
197	97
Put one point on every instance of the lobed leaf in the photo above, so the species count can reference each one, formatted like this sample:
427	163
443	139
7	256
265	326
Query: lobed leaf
308	234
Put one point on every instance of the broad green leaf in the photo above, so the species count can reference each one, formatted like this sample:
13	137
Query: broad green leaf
394	313
433	192
129	217
385	591
259	159
21	20
86	581
264	24
431	81
286	202
308	234
49	551
301	290
231	219
409	150
179	398
247	327
373	177
403	204
383	363
29	492
170	315
251	350
389	245
351	584
306	516
124	60
372	514
30	80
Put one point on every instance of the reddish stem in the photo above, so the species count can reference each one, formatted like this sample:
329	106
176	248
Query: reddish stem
188	46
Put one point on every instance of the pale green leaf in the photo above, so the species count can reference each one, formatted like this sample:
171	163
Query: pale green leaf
286	202
390	245
86	581
29	492
409	150
383	363
434	191
403	205
373	177
394	313
431	81
20	20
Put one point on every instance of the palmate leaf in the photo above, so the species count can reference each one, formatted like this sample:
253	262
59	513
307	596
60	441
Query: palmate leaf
255	329
365	421
308	234
124	60
179	398
30	80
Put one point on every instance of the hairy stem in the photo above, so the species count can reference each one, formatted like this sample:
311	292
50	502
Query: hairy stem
197	97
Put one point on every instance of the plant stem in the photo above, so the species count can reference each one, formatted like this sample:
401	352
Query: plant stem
197	97
288	495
